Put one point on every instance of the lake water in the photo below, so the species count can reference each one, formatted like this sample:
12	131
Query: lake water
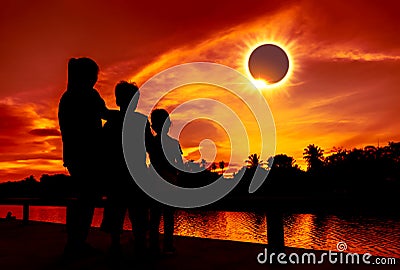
376	235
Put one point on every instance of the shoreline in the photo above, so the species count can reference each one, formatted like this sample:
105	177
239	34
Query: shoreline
39	245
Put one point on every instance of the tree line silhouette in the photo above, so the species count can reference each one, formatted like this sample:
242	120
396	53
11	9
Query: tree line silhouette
361	172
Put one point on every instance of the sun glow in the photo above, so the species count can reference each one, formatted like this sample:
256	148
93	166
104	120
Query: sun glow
259	83
290	49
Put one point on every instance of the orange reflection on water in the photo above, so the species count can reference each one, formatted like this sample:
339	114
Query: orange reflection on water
297	230
376	235
236	226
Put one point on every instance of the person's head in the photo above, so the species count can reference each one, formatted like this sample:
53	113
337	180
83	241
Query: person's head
82	73
124	92
159	118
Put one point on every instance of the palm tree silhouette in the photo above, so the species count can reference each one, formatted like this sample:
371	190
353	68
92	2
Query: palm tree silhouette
314	157
253	161
213	166
222	166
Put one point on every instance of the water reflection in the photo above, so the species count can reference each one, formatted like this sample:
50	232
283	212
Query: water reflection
238	226
376	235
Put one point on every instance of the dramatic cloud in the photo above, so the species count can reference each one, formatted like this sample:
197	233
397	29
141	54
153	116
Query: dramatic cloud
44	132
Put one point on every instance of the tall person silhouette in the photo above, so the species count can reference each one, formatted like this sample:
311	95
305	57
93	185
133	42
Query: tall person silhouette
122	192
165	157
80	112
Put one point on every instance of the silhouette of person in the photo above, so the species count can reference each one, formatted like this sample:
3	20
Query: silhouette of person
122	192
10	216
164	153
80	112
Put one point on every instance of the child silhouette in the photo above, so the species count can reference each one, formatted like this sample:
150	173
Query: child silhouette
165	156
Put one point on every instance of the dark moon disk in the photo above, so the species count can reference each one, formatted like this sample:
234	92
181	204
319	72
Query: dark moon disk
269	62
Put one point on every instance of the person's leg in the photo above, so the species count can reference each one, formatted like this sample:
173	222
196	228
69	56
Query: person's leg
114	220
72	225
168	214
138	215
86	204
72	214
80	211
154	224
79	219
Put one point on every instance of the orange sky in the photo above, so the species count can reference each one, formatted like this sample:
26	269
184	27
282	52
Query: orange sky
342	89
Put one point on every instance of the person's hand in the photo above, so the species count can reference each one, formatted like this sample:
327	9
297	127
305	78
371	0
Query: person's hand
112	114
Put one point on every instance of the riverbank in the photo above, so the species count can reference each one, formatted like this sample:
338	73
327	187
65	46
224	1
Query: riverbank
39	245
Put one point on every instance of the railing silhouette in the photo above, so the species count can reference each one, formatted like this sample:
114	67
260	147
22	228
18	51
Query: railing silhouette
273	207
275	234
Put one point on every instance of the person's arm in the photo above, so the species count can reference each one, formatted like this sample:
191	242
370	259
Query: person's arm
148	137
105	113
178	157
110	114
